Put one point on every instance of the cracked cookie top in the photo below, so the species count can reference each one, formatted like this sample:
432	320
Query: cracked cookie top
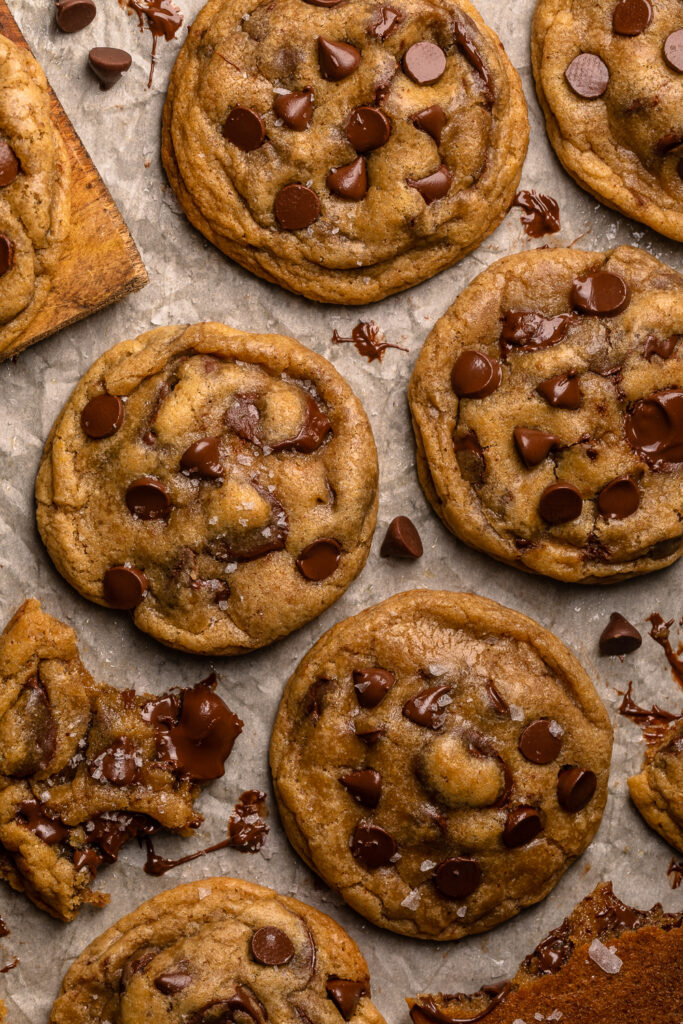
440	760
609	76
548	413
196	472
219	950
657	791
345	150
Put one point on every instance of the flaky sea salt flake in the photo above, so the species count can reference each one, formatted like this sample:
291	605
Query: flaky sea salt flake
605	957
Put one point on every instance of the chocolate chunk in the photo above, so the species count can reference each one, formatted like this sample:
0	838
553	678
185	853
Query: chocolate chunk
345	994
108	63
244	127
371	845
469	48
553	952
271	947
402	540
575	788
424	62
36	731
337	60
533	445
619	636
175	980
470	458
457	877
588	76
370	736
522	825
199	741
386	22
364	785
500	705
541	741
560	503
662	347
529	331
428	708
296	207
102	416
349	181
148	498
475	375
541	213
9	165
431	120
434	186
49	830
203	458
6	254
73	15
372	685
119	764
600	293
631	17
673	50
561	392
367	128
319	560
295	109
124	587
619	498
654	429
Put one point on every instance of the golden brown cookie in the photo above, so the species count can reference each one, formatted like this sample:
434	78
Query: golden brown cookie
548	412
196	472
657	791
219	950
606	962
609	76
345	150
85	767
35	193
440	761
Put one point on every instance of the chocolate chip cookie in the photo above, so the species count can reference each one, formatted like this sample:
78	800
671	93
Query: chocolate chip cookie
197	472
657	791
440	761
345	150
609	77
548	412
85	767
219	950
606	962
35	193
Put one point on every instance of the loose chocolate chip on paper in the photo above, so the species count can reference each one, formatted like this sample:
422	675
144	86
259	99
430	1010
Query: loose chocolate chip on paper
367	128
9	165
296	207
434	186
673	50
108	63
575	788
560	503
475	374
631	17
74	15
431	120
424	62
402	540
600	293
619	637
371	845
147	498
522	825
364	785
619	498
337	60
345	994
541	741
124	587
271	947
6	254
319	560
533	445
350	181
457	877
203	458
102	416
372	685
244	127
562	392
588	76
295	109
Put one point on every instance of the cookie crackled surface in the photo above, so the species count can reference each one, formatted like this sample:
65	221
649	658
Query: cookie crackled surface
440	761
197	471
344	150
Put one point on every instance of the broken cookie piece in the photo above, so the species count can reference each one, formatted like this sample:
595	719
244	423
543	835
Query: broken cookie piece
657	791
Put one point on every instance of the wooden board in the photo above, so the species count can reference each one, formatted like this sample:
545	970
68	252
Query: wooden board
100	262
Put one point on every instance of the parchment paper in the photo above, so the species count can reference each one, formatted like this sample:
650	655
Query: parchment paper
190	281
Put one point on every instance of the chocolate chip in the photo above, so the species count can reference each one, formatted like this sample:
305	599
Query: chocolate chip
6	254
457	877
364	785
108	63
119	764
588	76
244	127
295	109
619	636
522	825
434	186
560	503
73	15
345	994
173	981
203	458
124	587
529	331
428	708
431	120
148	498
319	560
575	788
654	429
102	416
367	128
424	62
372	685
673	50
662	347
9	165
387	20
631	17
600	293
619	498
541	741
475	375
350	181
296	207
370	736
271	947
371	845
533	445
561	392
337	60
402	540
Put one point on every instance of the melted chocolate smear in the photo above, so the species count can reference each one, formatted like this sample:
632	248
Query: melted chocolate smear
660	633
427	1010
529	331
14	962
244	418
33	815
654	429
654	721
616	914
467	45
38	727
553	952
313	702
4	930
162	18
541	213
107	833
675	873
368	339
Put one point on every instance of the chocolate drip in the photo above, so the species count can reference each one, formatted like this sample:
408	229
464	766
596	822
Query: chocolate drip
654	722
14	962
162	18
660	633
368	340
